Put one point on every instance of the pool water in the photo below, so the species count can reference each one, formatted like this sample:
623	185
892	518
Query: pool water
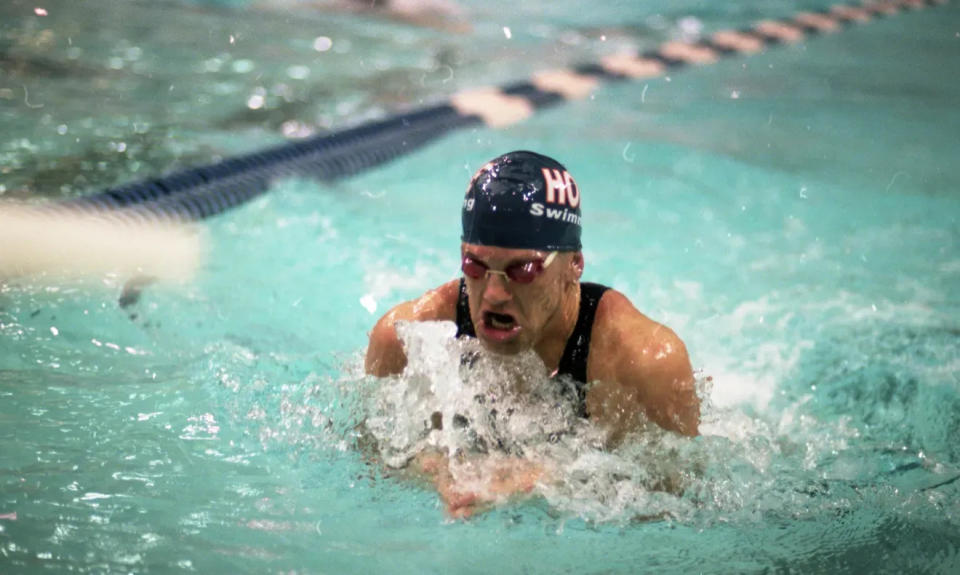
793	216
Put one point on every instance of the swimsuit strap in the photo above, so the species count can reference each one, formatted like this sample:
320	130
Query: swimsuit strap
574	359
573	363
464	323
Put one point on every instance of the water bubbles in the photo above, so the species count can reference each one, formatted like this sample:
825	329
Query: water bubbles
570	38
256	101
689	28
443	71
295	129
94	496
242	66
894	179
322	43
342	46
507	33
283	91
129	559
298	72
369	303
201	427
212	65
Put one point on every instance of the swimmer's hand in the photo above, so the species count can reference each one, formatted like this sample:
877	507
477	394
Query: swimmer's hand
472	485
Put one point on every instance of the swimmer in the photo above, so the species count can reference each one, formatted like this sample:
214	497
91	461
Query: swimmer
440	14
521	261
445	15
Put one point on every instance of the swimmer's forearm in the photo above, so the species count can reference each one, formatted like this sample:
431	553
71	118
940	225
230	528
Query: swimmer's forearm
472	485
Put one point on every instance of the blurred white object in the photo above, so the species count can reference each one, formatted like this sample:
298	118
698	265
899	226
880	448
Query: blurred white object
689	29
58	242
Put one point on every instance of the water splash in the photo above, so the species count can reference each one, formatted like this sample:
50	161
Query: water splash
751	463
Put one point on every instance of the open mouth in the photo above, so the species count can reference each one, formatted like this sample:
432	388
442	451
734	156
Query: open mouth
503	321
499	326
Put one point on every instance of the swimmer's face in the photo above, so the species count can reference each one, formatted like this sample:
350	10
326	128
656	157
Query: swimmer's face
510	316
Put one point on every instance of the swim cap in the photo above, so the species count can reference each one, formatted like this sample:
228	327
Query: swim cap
522	200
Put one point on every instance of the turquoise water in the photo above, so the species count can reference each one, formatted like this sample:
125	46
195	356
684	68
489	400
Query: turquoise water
792	215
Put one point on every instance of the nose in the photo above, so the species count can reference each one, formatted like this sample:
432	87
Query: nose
495	290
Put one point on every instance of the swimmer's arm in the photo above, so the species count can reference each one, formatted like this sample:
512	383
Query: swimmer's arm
471	485
665	384
644	371
385	355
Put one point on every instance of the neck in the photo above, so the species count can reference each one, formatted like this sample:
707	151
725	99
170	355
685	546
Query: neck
559	328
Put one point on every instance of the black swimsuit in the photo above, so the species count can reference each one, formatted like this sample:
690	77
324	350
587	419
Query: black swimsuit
573	363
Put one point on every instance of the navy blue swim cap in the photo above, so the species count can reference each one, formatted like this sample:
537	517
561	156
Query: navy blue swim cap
523	200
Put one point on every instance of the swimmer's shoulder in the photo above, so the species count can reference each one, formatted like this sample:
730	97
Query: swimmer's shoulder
622	333
648	360
385	353
616	314
438	304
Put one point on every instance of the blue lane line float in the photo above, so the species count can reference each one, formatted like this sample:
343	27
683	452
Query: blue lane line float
205	191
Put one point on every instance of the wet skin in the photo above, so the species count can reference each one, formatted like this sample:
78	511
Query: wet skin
509	316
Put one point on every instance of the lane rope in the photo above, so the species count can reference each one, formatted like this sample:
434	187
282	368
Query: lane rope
205	191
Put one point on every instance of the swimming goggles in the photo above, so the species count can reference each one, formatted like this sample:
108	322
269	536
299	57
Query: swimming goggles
520	272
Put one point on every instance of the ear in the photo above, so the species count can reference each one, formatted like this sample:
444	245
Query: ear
577	264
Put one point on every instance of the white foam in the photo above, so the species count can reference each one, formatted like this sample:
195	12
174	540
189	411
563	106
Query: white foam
382	281
951	267
750	460
495	405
